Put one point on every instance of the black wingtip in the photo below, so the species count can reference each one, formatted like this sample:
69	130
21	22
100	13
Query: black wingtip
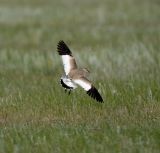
64	85
93	92
63	49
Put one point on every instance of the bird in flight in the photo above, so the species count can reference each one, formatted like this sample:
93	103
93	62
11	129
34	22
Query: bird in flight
75	76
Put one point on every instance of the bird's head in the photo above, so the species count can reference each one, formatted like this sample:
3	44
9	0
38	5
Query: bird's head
86	71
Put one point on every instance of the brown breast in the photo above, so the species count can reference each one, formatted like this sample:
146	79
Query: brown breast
76	73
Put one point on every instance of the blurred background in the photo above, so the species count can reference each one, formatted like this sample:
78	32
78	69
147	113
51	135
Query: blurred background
123	34
119	42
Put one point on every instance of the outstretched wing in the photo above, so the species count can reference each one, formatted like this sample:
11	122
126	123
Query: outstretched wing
68	60
87	86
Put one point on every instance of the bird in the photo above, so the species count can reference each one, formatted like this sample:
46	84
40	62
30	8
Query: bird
73	76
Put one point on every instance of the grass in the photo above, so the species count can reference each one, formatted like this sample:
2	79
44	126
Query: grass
117	40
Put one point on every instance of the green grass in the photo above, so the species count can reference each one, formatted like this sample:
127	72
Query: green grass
117	40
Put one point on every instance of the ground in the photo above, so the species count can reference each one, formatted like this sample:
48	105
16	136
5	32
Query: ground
118	41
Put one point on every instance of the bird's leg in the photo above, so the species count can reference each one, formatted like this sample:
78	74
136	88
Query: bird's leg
69	92
65	90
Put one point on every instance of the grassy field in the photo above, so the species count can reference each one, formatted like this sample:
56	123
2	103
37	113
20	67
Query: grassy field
119	42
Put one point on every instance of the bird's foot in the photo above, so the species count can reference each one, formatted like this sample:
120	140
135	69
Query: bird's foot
69	92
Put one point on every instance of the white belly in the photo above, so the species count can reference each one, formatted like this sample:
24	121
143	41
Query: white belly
69	82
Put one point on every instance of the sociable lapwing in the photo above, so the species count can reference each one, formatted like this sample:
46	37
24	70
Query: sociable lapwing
75	76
